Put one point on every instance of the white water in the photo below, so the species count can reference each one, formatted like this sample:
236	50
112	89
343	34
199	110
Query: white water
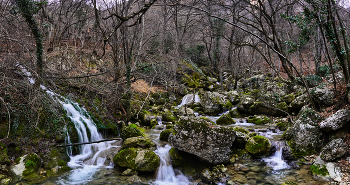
166	174
92	156
276	161
188	98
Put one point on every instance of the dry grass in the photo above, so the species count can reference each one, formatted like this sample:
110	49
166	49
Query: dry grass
143	87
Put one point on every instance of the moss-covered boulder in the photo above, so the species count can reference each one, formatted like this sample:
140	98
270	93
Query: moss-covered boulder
307	115
259	119
233	96
164	135
154	123
130	131
234	113
168	116
271	110
241	140
288	98
195	136
258	146
55	162
225	119
299	102
4	158
214	103
138	142
137	159
27	168
245	103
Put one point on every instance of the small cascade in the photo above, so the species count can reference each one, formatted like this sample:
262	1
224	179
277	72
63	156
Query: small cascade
166	174
276	161
92	156
188	98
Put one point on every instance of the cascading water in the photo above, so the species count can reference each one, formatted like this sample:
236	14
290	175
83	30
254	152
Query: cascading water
166	174
92	156
276	161
188	98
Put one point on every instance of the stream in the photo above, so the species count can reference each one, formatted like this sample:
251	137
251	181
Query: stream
94	164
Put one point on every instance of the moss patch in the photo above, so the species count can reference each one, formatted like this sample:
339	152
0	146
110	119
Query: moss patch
164	135
258	146
259	120
319	169
130	131
137	159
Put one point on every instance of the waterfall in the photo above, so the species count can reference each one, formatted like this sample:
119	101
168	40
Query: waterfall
276	161
188	98
92	156
166	174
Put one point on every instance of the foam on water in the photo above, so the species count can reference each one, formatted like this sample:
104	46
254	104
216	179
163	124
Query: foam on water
166	174
276	161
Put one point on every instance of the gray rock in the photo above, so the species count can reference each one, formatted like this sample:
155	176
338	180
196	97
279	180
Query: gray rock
333	150
287	154
225	119
334	172
213	102
195	136
336	121
245	104
253	82
184	111
241	140
299	101
304	139
319	161
323	96
233	96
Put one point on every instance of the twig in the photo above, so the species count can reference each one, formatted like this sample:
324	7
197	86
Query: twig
77	144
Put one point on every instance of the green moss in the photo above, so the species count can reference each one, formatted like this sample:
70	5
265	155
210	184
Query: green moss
62	163
32	164
235	113
208	120
168	116
164	135
4	158
18	160
130	131
154	123
127	158
298	153
290	183
319	169
225	119
282	126
138	142
240	153
241	129
259	120
258	146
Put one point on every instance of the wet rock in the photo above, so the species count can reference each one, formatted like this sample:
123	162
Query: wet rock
278	109
214	175
323	96
138	142
241	140
135	180
336	121
240	167
239	178
27	167
164	135
333	150
233	96
129	172
195	136
287	154
225	119
5	181
259	119
214	103
4	158
137	159
258	146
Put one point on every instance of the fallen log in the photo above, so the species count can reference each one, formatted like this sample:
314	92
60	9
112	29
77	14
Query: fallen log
77	144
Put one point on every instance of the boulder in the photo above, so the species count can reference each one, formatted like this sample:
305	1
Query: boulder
241	140
130	131
259	119
215	175
323	96
164	135
214	103
336	121
197	137
303	138
168	116
146	118
288	98
27	167
137	159
138	142
274	90
225	119
287	154
235	113
299	102
253	82
245	104
333	150
258	146
184	111
309	116
272	110
233	96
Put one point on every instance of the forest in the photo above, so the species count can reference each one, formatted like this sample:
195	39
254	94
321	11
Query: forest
209	68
